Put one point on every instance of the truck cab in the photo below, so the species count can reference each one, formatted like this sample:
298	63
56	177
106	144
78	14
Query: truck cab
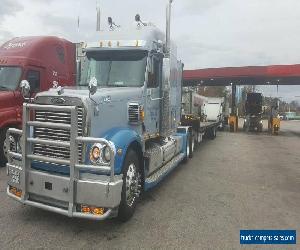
42	61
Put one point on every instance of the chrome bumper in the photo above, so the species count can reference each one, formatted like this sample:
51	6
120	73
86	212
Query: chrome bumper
51	193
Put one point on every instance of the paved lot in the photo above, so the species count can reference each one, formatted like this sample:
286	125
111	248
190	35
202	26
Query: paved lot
238	181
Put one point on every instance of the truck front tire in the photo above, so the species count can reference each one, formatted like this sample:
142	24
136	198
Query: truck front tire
3	157
132	185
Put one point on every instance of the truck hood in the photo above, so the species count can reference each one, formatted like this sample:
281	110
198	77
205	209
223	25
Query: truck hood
102	96
6	99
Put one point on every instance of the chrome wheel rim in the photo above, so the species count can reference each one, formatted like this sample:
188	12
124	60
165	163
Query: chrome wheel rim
133	184
193	144
188	149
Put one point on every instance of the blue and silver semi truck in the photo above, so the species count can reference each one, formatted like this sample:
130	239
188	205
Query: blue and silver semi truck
89	151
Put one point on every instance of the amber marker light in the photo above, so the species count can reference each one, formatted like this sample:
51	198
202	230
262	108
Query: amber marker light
98	210
15	191
85	209
142	114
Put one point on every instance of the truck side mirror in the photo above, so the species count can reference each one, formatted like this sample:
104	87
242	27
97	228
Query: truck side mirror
166	73
93	84
150	65
25	88
78	71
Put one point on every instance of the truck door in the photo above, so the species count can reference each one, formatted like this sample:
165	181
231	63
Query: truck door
153	100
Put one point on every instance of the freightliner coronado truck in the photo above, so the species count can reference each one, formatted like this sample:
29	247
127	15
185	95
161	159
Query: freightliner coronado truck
91	150
39	60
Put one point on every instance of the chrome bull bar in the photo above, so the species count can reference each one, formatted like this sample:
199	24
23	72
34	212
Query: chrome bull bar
27	156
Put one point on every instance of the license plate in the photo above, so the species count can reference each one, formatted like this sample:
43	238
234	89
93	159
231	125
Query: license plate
15	176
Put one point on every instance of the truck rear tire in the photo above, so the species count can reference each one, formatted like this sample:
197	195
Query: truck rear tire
131	189
213	133
3	157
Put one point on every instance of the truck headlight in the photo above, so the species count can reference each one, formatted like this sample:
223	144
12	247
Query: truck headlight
95	153
106	154
100	154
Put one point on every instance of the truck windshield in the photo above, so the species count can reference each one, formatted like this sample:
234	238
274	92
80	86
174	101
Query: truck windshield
115	68
9	77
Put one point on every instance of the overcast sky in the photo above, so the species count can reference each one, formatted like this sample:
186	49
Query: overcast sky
209	33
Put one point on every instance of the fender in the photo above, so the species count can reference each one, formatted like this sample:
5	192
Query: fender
11	123
8	118
122	138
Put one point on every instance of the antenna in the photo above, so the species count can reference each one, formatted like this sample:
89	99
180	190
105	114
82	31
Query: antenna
98	15
78	16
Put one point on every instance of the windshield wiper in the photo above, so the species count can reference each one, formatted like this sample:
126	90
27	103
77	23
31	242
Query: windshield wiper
115	85
3	88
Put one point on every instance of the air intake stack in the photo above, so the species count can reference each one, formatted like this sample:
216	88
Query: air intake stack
165	126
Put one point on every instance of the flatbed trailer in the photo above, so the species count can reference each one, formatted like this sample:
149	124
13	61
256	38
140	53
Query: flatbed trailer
199	129
207	127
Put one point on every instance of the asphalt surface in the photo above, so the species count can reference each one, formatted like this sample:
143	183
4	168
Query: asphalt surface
237	181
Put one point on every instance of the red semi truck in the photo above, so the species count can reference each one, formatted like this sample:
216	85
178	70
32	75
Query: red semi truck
42	61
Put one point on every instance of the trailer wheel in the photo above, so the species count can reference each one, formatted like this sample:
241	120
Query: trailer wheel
192	145
260	128
189	146
3	156
213	133
132	184
199	138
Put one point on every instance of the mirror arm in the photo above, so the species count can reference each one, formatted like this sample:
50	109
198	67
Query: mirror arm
155	99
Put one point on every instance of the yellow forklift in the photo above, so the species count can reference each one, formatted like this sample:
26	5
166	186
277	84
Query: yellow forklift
274	121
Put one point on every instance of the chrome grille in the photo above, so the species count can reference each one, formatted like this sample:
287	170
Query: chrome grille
54	134
133	112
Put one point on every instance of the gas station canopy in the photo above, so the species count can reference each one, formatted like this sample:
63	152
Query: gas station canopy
250	75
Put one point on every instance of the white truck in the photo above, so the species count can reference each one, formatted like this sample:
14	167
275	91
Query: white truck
214	110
